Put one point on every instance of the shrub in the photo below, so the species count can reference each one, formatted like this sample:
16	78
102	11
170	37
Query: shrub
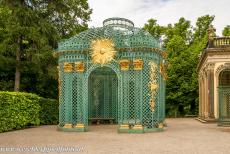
49	111
18	110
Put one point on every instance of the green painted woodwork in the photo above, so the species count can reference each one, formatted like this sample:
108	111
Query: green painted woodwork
224	106
224	98
105	91
103	94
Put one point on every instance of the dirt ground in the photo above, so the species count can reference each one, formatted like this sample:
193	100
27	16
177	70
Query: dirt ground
182	136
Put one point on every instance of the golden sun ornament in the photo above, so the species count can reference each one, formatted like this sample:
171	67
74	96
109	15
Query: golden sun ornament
103	51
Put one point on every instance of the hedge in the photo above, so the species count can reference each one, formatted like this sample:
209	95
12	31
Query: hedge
18	110
49	111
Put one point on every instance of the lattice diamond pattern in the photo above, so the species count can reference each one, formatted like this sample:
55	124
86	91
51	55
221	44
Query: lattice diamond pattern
107	91
225	104
103	93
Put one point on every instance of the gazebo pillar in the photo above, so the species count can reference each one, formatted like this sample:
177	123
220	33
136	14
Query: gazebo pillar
200	95
210	88
68	99
203	98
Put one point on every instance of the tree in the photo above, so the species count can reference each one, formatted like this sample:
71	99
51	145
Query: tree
30	29
182	28
153	28
182	87
226	31
202	24
183	43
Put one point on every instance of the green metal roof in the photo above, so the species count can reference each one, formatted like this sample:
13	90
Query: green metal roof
120	30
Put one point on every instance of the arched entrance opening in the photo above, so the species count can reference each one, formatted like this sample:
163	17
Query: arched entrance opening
103	101
224	97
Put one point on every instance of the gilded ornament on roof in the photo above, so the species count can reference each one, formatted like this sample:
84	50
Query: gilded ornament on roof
103	51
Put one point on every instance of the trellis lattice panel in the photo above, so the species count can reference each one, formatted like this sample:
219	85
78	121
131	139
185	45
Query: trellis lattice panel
126	86
224	105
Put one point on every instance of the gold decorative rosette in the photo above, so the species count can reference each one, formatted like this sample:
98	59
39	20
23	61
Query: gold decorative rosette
103	51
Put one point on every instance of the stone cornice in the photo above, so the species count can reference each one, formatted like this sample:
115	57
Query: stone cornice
212	51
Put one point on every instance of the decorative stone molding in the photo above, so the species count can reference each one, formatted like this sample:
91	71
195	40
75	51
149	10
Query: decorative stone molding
210	66
204	72
200	75
207	67
222	67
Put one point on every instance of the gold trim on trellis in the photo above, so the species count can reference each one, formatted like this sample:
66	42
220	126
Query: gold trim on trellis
160	125
124	65
80	126
164	54
163	71
79	66
137	64
68	126
138	127
68	67
153	85
85	51
124	126
59	83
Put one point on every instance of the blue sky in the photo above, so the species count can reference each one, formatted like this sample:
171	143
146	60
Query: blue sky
165	11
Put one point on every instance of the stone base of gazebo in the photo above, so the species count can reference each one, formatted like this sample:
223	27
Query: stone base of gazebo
206	120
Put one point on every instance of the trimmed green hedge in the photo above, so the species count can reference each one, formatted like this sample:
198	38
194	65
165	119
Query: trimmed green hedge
49	111
18	110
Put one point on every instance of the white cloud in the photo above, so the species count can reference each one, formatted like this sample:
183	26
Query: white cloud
165	11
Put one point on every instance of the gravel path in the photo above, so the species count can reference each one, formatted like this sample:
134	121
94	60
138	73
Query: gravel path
182	136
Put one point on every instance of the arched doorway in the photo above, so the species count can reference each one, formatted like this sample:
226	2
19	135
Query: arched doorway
224	97
103	101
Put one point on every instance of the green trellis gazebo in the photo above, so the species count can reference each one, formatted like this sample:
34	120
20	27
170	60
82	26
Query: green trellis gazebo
116	74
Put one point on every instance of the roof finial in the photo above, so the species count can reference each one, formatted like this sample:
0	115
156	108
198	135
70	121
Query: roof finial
211	32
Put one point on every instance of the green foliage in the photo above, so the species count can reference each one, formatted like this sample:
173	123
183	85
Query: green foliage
153	28
202	25
29	31
226	31
18	110
183	44
182	29
49	111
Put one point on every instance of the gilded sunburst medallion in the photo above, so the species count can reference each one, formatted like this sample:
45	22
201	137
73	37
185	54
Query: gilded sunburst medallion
103	51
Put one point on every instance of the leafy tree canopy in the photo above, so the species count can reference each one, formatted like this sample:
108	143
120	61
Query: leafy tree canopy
29	31
183	42
226	31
